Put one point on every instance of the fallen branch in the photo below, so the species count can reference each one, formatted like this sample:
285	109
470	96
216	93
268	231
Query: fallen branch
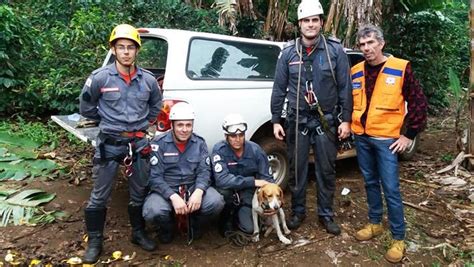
422	209
420	183
442	245
297	245
455	164
29	234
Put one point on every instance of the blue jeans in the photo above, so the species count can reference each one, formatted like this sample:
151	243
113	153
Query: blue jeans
380	167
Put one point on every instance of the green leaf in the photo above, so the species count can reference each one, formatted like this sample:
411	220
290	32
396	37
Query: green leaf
4	193
13	175
17	141
24	207
19	152
31	198
18	170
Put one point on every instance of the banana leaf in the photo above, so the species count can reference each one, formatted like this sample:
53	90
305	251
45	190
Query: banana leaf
20	169
6	138
19	151
22	207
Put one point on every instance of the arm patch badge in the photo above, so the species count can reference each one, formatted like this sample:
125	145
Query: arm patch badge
153	160
216	158
218	168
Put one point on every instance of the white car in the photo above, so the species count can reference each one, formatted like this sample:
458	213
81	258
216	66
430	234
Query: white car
217	75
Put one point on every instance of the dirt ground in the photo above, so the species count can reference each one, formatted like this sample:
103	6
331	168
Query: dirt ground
437	234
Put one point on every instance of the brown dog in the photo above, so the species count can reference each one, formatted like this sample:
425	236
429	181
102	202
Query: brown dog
268	201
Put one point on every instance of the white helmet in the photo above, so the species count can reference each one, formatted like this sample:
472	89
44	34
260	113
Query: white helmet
234	124
308	8
181	111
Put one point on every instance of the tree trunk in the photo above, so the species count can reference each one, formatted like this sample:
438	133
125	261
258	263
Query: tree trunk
354	13
276	19
471	95
268	19
331	15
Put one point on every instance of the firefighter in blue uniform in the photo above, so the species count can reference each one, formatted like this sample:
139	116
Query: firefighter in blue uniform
239	167
180	165
313	73
124	99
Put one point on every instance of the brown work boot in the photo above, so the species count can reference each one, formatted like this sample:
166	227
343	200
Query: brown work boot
369	231
396	251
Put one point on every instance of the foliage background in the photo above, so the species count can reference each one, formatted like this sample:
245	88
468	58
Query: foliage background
49	47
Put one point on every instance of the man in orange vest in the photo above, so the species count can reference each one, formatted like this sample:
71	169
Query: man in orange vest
385	95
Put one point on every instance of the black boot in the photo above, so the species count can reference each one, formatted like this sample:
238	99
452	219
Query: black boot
196	225
138	229
295	221
95	220
165	231
329	224
226	220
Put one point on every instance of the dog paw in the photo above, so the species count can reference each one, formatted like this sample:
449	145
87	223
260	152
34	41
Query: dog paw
287	231
255	238
285	240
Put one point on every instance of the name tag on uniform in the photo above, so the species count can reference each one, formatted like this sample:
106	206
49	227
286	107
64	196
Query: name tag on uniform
390	80
168	154
295	62
356	85
231	163
109	89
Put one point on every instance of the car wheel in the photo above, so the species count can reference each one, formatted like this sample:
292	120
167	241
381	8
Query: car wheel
277	158
410	151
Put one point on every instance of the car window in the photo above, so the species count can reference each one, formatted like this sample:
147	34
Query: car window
355	57
211	59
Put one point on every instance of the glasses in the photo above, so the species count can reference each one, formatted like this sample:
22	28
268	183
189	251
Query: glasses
123	48
236	129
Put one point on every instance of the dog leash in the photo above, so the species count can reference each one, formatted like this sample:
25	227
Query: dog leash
238	238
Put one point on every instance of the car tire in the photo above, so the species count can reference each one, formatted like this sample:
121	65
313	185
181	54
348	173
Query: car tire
410	152
277	158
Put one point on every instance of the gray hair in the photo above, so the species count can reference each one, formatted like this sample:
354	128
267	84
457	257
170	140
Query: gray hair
367	30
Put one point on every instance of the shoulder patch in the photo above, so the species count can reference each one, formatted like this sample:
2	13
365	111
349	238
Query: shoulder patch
216	158
153	160
218	168
334	39
89	82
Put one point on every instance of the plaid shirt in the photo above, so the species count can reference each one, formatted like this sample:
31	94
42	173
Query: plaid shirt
412	93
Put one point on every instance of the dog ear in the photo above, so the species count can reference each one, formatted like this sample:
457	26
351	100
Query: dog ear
260	195
282	197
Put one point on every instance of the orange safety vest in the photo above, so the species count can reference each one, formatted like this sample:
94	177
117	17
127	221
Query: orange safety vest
387	105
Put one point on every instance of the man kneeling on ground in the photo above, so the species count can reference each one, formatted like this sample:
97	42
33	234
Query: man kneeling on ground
239	168
179	165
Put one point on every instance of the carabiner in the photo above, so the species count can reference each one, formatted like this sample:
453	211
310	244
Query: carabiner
128	171
310	98
128	160
130	151
236	199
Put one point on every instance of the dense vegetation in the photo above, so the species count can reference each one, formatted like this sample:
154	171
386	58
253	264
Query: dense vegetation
47	48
